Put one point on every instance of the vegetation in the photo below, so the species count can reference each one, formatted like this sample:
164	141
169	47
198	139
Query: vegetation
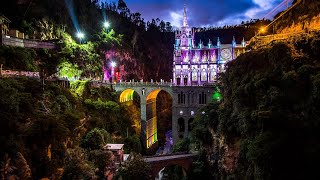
42	130
144	49
135	169
302	13
265	126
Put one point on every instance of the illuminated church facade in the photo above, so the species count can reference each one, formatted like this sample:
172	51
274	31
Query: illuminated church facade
197	65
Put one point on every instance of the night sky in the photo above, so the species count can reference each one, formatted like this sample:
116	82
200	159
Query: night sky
203	12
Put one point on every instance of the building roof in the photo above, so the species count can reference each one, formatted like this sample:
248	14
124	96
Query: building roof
113	146
4	17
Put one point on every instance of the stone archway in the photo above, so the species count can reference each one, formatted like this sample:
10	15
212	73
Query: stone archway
132	100
151	116
172	169
157	163
181	127
190	121
126	95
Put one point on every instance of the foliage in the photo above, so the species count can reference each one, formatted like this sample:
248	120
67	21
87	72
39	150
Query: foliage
95	139
100	159
69	71
182	145
174	172
46	124
79	87
18	58
268	104
77	167
135	169
202	124
22	165
102	106
132	144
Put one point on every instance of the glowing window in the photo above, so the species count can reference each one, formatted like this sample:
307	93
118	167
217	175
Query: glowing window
203	75
194	75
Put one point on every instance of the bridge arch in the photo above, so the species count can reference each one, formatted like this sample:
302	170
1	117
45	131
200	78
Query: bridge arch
185	169
126	95
184	161
152	131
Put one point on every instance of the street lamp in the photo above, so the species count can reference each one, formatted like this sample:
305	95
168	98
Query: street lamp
106	24
113	65
80	35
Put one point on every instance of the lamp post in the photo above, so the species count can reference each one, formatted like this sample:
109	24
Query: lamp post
106	24
80	35
113	65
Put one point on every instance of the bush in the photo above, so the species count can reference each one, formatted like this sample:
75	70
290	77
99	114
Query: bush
182	145
132	144
134	169
95	139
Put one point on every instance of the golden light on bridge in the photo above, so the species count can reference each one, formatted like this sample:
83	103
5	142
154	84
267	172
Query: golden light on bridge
153	94
126	95
151	129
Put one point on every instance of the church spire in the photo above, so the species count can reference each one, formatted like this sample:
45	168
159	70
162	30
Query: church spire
185	19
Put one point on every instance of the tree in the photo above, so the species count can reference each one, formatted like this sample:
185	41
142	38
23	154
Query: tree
135	169
23	167
132	144
95	139
7	168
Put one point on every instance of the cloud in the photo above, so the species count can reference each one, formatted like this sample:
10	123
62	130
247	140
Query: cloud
203	12
176	19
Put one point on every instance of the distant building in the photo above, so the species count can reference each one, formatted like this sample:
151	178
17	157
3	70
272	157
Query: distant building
16	33
195	69
117	150
199	64
4	25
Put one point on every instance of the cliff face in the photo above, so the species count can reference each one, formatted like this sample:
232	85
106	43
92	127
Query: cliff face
304	16
46	129
302	25
268	112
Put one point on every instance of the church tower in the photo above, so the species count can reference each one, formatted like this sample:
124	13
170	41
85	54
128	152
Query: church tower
198	65
184	36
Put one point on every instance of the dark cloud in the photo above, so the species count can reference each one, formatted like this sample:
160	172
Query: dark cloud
202	12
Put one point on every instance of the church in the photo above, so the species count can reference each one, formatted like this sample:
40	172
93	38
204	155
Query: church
198	65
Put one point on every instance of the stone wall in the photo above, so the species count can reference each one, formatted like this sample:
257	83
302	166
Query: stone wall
187	110
11	41
10	73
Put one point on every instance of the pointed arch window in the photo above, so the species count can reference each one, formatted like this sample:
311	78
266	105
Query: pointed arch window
194	75
203	75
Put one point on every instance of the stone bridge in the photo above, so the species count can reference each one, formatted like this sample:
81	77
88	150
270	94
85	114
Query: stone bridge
26	43
157	163
148	94
186	102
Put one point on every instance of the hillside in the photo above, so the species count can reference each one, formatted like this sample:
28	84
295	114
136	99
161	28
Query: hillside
51	131
266	126
304	16
143	48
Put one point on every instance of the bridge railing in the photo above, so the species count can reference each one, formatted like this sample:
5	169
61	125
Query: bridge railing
131	84
147	84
